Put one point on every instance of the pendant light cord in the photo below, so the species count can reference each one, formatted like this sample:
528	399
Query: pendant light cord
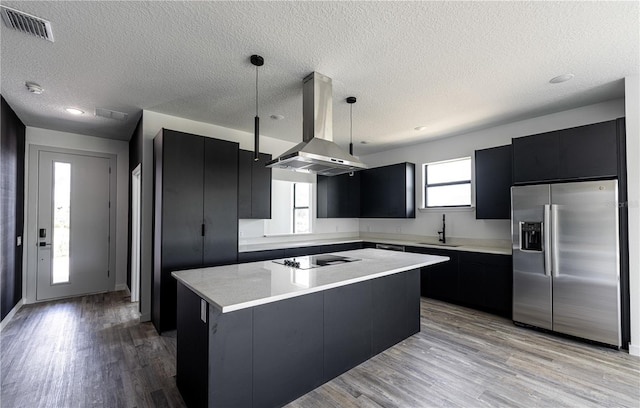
256	91
351	120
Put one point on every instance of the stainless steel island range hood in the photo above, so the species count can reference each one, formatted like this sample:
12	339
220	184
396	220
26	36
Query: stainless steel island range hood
317	153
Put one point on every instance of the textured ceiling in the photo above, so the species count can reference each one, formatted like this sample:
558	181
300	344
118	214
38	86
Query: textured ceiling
451	67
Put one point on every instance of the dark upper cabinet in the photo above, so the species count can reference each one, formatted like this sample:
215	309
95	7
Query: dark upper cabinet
588	151
584	152
388	191
493	183
254	186
535	158
338	196
195	212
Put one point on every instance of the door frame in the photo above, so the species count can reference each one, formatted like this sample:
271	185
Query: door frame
136	231
31	229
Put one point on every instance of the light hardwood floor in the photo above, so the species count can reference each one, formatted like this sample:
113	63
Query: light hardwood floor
92	352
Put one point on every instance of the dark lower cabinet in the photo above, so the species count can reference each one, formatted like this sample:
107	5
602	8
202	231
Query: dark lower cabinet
287	349
493	183
269	355
395	297
477	280
348	330
321	249
439	281
195	221
231	352
255	256
254	186
193	348
486	282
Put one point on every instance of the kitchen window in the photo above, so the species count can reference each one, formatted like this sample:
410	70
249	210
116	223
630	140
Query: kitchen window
301	210
448	183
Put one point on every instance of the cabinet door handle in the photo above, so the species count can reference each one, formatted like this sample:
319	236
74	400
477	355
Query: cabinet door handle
203	230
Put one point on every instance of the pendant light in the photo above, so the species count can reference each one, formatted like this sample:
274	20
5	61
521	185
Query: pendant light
351	100
257	61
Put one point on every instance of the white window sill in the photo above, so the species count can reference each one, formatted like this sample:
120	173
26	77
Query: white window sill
447	209
288	234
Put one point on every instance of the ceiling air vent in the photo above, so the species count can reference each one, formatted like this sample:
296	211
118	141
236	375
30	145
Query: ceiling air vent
110	114
26	23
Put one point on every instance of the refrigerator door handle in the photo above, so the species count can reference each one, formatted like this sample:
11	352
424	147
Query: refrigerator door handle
554	240
547	241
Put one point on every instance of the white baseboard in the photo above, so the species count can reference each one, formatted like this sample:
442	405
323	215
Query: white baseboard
634	350
122	286
10	315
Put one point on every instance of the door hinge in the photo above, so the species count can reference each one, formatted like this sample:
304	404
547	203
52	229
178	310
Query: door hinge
108	271
203	230
109	170
109	204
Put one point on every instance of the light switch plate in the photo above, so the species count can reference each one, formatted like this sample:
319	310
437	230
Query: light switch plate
203	310
19	241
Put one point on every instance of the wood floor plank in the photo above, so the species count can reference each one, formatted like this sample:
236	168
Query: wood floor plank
92	352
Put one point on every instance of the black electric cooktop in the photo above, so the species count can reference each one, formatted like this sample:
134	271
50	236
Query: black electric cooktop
314	261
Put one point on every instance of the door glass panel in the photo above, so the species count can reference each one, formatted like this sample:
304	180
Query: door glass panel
61	221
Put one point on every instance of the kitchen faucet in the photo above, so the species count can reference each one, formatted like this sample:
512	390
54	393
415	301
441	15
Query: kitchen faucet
441	234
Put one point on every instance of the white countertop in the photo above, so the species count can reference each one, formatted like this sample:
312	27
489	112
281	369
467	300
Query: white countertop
240	286
474	246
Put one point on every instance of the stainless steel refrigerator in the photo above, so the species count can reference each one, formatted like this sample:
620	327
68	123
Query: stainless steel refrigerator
566	269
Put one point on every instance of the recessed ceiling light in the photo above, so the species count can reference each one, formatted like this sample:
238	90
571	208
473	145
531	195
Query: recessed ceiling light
34	88
74	111
277	117
561	78
419	128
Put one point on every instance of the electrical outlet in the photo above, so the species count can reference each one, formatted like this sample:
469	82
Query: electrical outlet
19	241
241	234
398	229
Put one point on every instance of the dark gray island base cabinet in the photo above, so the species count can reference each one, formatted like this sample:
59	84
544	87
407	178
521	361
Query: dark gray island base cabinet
271	354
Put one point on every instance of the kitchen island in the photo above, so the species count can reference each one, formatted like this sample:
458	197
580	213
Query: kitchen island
262	334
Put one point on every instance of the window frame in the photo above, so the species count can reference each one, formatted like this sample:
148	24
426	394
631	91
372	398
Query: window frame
426	185
294	208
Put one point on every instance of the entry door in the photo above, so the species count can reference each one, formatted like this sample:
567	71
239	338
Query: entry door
73	225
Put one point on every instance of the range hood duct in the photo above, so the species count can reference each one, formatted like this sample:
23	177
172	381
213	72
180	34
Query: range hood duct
317	153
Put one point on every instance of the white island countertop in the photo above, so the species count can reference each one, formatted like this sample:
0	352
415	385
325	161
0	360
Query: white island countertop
240	286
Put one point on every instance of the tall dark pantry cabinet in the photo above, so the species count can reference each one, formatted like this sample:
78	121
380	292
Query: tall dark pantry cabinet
195	214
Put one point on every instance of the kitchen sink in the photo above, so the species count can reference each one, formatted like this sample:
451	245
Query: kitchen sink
438	244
